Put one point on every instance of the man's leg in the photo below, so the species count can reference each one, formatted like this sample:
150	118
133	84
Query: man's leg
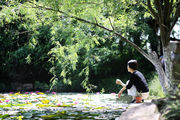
132	92
145	95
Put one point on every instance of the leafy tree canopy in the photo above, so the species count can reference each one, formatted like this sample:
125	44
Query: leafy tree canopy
68	48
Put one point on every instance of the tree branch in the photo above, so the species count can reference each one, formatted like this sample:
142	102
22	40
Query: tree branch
167	9
160	11
19	33
152	10
145	6
170	7
103	27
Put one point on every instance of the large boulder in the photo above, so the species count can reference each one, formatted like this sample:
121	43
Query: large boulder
142	111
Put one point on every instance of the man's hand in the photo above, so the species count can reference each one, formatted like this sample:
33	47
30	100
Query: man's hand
119	94
121	91
118	81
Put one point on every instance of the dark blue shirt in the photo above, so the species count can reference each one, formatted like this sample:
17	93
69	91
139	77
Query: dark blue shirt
137	79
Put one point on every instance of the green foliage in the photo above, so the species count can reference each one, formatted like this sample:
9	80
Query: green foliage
155	87
169	106
24	42
173	112
65	115
36	42
109	84
88	52
60	106
4	116
41	86
82	51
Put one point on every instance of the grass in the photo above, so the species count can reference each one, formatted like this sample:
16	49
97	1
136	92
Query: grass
155	89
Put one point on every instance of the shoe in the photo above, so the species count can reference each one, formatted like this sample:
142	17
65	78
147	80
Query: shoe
133	101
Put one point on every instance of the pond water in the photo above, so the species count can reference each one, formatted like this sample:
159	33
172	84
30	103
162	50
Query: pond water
52	106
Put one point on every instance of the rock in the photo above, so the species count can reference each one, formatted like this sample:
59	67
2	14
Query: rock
142	111
19	86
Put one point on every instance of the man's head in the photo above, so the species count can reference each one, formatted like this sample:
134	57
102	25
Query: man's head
132	64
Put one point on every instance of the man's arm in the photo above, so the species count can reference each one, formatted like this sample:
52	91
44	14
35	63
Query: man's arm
121	91
119	82
130	83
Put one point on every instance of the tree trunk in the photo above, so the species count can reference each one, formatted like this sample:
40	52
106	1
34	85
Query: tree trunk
168	64
166	13
162	77
175	64
159	68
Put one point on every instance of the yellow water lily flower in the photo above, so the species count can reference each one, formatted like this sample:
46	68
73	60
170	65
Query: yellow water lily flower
45	101
18	93
40	93
28	102
20	117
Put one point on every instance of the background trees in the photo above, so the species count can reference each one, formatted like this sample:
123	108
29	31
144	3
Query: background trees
24	45
57	44
166	14
81	43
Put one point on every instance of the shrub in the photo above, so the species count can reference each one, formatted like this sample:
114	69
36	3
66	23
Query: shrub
155	87
2	87
110	85
173	112
173	104
41	86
